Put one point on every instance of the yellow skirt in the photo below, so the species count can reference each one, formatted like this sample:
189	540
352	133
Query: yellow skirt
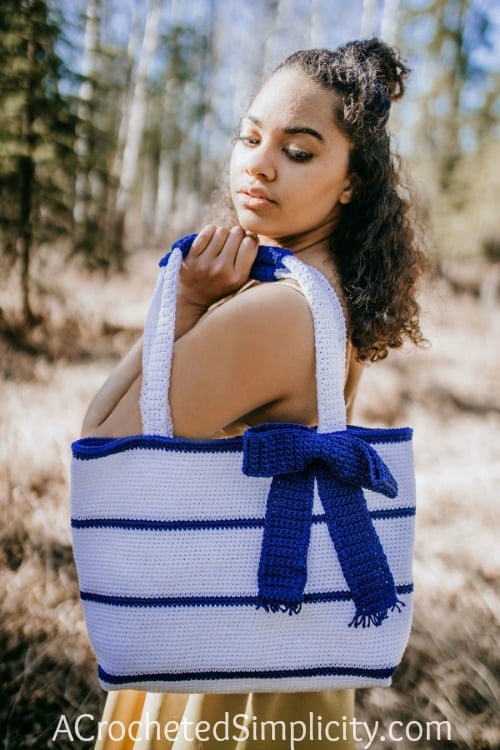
135	720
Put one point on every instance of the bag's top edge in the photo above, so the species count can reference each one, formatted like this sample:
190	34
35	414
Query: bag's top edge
268	255
92	447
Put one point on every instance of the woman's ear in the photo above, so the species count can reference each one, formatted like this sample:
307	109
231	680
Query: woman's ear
350	186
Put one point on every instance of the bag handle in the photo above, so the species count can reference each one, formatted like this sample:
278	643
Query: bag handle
272	263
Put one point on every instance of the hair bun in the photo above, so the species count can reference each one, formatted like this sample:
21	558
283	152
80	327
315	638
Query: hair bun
388	67
367	74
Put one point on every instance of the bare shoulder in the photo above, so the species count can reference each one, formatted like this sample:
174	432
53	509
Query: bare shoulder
282	299
272	320
255	349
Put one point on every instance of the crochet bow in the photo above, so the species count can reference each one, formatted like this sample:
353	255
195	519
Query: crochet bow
342	464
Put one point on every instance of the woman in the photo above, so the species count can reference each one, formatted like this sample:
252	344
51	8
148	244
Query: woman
311	170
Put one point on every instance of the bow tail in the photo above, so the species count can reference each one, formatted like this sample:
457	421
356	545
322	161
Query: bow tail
287	532
360	553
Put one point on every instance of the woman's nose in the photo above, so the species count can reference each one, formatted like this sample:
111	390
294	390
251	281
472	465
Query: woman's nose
260	163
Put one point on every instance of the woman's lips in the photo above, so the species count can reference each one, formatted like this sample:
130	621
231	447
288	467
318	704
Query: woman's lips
254	199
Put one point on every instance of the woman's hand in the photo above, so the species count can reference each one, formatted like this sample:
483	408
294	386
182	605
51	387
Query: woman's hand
217	264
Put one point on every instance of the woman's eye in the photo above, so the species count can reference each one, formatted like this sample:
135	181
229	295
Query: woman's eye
248	139
297	154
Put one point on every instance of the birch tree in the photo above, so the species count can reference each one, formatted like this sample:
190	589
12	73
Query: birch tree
245	61
270	19
316	25
135	125
368	18
166	180
205	121
85	124
128	91
389	26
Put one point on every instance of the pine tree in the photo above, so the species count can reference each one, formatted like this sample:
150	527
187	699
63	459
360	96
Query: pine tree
36	138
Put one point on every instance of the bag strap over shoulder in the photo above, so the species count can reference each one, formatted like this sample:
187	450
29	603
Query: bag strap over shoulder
329	342
272	263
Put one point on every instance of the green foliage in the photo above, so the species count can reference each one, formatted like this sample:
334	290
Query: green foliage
459	97
37	127
61	155
178	106
455	139
100	127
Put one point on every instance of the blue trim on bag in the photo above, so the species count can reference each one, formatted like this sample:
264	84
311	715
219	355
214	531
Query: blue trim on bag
146	524
88	448
269	258
121	679
98	447
215	601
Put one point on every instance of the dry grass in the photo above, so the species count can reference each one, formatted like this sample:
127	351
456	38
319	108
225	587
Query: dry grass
447	393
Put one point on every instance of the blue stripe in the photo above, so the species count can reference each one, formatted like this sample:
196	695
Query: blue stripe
386	513
120	679
215	601
91	447
138	524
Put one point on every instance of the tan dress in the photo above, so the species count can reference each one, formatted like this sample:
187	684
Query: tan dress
137	720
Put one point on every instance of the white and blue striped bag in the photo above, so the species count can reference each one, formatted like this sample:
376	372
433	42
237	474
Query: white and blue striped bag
280	560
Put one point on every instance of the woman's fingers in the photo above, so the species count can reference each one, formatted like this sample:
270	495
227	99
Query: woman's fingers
201	241
245	257
229	249
209	242
235	259
218	264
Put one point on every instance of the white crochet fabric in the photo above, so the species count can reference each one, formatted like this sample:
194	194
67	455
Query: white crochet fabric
167	537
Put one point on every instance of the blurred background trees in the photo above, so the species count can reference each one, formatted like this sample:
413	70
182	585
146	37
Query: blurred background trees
37	127
116	118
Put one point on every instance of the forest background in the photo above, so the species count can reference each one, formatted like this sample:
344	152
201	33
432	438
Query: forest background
116	121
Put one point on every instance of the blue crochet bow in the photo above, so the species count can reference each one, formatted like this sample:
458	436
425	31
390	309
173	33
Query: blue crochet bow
342	464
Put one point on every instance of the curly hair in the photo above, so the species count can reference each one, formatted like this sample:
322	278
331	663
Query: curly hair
374	242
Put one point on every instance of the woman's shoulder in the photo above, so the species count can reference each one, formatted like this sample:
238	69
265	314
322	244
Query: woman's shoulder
254	350
261	299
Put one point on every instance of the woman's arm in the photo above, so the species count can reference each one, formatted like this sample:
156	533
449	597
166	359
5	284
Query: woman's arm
124	384
123	378
218	263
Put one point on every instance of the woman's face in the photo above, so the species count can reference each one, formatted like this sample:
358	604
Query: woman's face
289	170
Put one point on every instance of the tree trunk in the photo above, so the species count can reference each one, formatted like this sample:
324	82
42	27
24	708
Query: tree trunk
207	66
166	193
149	193
389	28
270	31
458	74
86	96
316	25
368	19
135	125
26	186
132	47
26	179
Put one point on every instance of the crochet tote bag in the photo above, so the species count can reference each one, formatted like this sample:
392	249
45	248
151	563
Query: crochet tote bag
280	560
